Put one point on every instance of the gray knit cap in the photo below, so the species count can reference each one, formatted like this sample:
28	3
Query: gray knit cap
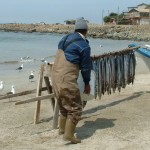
81	24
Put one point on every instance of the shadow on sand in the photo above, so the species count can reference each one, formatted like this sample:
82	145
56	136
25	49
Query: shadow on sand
101	107
89	127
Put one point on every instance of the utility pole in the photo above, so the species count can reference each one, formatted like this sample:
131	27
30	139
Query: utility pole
103	17
108	12
149	15
117	14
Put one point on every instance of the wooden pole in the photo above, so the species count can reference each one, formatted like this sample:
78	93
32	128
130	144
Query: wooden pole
21	93
38	93
114	53
39	98
54	101
49	89
56	115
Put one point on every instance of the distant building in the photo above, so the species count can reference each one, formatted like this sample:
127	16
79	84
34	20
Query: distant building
138	15
73	21
70	21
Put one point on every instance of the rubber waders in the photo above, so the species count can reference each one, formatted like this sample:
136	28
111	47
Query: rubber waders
69	132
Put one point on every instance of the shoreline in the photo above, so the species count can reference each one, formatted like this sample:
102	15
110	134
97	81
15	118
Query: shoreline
116	32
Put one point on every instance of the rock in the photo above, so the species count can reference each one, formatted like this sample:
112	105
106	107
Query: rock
127	32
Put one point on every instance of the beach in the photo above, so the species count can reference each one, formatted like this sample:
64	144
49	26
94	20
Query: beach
118	121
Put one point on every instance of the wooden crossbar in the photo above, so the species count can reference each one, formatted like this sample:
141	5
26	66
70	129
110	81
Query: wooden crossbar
124	51
21	93
39	98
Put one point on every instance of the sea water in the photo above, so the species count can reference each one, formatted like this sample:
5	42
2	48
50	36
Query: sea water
36	47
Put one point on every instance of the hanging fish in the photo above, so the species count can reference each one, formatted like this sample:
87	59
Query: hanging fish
113	71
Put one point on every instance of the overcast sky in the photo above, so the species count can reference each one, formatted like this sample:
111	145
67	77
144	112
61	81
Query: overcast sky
56	11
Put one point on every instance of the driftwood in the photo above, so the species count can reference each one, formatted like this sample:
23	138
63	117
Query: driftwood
39	98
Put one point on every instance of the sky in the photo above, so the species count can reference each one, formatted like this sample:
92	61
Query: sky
57	11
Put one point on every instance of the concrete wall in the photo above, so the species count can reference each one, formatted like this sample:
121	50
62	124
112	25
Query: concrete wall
144	21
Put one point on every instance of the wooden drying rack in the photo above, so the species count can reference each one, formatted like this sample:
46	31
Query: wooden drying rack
44	74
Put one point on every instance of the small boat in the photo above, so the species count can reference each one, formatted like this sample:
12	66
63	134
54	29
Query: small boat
144	53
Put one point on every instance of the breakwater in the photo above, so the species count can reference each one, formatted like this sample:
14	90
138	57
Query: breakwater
117	32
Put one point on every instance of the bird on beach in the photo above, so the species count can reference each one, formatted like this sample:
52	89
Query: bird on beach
11	92
1	85
43	60
100	45
31	76
26	59
20	68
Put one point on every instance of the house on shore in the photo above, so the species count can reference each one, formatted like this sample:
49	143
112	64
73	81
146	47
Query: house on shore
138	15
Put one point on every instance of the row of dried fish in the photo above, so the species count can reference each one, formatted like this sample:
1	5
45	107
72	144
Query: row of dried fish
113	72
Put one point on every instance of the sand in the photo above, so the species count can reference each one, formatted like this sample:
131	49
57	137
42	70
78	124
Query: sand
117	122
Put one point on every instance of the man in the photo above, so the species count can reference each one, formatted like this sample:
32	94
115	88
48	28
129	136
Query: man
73	55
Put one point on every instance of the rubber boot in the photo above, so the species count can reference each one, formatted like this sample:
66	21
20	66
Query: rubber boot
62	123
69	132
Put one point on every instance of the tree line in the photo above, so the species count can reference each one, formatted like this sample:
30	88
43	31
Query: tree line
116	18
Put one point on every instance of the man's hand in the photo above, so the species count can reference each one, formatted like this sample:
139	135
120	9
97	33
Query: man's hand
87	89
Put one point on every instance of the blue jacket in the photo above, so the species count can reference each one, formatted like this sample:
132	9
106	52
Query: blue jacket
77	52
